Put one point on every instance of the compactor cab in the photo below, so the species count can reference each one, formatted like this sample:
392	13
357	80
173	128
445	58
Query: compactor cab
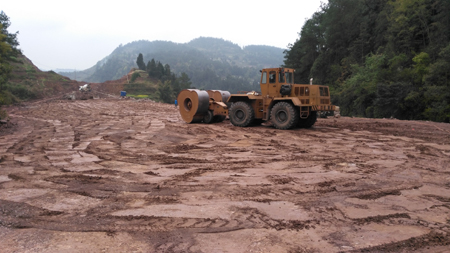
284	103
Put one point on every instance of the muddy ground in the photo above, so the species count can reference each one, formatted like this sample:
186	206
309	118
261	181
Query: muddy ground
119	175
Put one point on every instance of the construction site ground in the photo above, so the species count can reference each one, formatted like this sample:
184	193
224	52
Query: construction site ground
123	175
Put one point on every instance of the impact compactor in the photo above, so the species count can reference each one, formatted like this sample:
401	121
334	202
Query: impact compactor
284	103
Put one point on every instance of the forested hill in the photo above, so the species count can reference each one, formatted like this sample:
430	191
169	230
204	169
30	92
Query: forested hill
382	58
209	62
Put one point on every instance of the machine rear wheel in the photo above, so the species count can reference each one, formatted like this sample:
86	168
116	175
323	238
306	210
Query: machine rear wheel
208	118
308	122
241	114
284	115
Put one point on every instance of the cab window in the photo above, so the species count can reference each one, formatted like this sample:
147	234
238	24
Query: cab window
264	77
272	76
281	77
323	91
288	77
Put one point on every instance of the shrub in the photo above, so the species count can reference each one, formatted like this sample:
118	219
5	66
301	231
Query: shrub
7	98
134	76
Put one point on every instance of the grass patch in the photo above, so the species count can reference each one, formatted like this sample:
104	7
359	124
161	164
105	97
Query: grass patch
137	96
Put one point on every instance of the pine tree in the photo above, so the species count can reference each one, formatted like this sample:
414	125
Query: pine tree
11	38
151	68
160	70
165	91
140	62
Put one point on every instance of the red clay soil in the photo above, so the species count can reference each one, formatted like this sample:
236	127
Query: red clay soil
121	175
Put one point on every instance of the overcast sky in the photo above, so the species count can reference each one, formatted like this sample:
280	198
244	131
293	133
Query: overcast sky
77	34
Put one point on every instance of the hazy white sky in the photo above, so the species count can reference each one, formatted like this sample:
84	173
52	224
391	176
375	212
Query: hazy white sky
77	34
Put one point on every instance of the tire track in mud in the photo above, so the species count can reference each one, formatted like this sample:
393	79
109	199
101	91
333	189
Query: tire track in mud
126	156
432	239
21	215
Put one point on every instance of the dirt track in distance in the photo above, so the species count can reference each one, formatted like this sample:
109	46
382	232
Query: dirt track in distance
121	175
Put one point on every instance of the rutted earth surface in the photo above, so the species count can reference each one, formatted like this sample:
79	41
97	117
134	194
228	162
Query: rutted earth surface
130	176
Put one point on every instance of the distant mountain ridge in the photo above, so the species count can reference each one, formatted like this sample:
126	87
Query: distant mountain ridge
211	63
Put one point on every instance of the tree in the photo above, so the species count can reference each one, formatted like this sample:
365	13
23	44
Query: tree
5	51
303	53
165	92
8	51
140	62
159	70
167	70
380	57
151	68
439	71
11	38
180	83
185	82
359	92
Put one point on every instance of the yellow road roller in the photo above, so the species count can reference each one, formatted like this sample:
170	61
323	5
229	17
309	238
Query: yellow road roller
285	104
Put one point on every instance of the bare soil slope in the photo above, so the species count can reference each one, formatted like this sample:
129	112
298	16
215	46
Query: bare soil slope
120	175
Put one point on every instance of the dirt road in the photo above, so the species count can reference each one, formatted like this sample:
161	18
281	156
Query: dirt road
112	175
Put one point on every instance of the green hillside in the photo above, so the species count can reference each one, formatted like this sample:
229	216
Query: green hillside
209	62
381	58
20	79
28	82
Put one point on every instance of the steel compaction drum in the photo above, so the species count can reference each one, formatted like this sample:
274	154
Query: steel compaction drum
219	95
193	105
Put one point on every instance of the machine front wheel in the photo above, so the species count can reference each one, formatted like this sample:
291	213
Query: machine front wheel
241	114
208	118
284	115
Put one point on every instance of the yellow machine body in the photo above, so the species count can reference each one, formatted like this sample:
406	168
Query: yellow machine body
282	101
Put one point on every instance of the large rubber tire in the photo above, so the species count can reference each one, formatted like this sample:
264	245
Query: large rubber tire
284	115
208	118
241	114
308	122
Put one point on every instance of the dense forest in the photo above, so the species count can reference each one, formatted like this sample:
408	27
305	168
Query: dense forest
381	58
211	63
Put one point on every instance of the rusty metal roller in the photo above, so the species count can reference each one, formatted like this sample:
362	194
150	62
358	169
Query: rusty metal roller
219	95
193	104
